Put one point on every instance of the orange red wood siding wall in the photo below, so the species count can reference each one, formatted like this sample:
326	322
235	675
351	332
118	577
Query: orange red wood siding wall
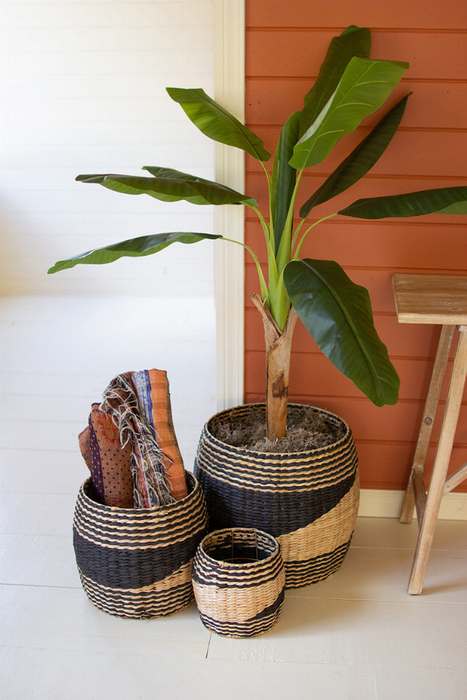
285	44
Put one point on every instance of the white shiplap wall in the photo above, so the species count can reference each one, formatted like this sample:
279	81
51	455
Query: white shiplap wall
82	90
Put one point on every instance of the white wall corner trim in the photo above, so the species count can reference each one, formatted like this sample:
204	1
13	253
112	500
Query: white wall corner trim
229	86
376	503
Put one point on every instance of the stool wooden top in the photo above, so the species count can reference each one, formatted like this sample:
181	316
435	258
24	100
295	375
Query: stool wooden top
440	299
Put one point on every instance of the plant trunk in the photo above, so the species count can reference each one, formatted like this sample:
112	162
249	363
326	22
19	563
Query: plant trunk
278	349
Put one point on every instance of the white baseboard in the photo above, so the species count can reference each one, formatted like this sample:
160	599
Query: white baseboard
375	503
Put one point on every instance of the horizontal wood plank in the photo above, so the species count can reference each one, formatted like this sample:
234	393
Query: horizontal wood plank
433	56
341	13
446	100
385	245
403	341
314	375
411	154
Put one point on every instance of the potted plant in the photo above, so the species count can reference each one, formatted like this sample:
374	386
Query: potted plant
337	313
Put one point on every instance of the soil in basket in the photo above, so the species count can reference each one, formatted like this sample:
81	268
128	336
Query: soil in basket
306	430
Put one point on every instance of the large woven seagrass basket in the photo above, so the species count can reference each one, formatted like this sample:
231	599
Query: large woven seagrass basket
307	500
239	580
137	563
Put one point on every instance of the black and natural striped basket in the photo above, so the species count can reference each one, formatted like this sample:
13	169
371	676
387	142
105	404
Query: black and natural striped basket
307	500
137	563
239	580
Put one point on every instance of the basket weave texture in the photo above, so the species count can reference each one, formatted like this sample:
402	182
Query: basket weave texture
137	563
307	500
239	581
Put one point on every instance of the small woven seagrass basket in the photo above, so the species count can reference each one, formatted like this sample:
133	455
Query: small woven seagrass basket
239	581
137	563
307	500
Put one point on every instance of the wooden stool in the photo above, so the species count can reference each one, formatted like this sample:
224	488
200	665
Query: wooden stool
436	299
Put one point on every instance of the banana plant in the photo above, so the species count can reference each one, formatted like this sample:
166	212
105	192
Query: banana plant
337	313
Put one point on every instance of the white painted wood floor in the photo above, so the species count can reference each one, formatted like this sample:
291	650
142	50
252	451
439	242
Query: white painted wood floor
356	636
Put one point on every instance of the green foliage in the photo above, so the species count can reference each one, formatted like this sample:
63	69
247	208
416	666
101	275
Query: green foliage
170	185
360	161
354	41
350	86
332	308
133	248
365	85
214	121
446	200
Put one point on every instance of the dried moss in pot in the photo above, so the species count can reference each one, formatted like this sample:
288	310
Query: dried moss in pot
305	430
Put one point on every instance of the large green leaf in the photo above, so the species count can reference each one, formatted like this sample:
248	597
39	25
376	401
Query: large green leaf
195	181
134	247
169	185
360	161
354	41
446	200
456	208
216	122
284	176
337	313
363	88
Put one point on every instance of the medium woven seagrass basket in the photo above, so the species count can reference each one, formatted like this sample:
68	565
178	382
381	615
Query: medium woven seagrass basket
307	500
137	563
239	580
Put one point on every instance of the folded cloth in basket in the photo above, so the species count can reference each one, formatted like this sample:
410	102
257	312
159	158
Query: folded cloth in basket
139	404
152	387
108	462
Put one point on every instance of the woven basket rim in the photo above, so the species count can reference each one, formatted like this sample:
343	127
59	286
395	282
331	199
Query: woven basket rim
233	565
193	481
278	455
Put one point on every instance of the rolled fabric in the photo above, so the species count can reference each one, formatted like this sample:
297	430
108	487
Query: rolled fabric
139	404
110	463
152	387
83	440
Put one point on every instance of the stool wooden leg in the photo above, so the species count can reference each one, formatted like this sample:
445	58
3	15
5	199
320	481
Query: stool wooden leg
429	413
440	467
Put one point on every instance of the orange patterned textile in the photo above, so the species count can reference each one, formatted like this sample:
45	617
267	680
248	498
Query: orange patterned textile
165	433
108	462
130	444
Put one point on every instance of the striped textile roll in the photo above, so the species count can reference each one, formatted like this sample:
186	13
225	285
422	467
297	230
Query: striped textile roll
307	500
138	563
238	580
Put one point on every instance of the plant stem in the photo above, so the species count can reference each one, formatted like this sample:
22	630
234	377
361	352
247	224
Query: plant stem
271	213
278	352
273	275
285	248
